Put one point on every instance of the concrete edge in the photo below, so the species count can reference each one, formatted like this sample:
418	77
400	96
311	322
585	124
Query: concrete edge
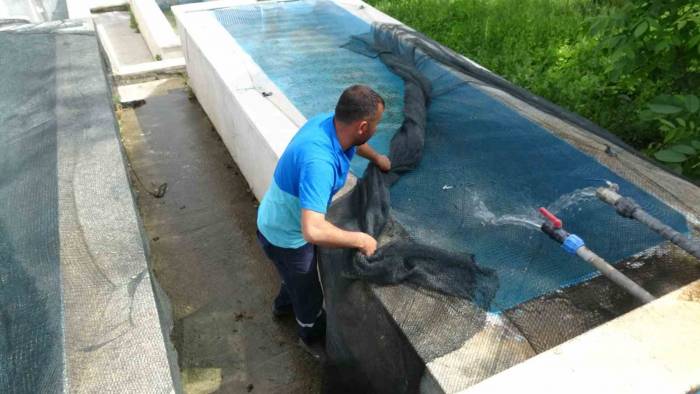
652	349
81	9
245	73
142	90
255	127
155	29
134	70
108	48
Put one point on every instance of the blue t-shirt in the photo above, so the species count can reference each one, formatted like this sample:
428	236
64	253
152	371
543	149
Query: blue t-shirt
311	170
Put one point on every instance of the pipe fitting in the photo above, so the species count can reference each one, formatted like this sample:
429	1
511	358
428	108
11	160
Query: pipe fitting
572	244
607	194
626	207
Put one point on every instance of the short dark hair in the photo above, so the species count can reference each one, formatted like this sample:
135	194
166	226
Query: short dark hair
356	103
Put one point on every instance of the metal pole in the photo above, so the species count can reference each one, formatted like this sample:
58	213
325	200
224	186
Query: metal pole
626	207
614	275
574	244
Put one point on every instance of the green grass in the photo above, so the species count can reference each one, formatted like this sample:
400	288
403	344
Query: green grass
541	45
517	38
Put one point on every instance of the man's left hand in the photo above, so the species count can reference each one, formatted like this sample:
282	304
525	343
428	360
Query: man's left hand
383	163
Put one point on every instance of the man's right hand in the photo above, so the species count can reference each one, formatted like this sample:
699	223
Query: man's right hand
367	244
318	231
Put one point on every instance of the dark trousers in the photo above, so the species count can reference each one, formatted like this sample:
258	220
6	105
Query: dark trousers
300	286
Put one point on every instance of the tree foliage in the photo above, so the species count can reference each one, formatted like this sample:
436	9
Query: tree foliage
657	43
631	66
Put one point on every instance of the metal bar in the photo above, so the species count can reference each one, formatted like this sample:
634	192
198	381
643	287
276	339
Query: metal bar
613	274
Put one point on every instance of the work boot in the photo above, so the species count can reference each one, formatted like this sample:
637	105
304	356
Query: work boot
315	347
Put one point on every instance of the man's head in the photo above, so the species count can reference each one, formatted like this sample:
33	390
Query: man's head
359	111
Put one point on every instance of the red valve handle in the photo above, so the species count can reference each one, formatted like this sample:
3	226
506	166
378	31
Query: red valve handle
556	222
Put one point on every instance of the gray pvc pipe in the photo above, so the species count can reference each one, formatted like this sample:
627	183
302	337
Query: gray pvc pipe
626	207
614	275
692	246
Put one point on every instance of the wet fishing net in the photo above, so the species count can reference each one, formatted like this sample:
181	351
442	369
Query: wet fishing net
464	283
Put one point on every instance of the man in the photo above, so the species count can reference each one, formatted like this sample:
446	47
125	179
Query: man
291	217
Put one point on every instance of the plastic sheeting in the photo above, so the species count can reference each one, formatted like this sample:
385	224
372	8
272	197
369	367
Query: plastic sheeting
77	306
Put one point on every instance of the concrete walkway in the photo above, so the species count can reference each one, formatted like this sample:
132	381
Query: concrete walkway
205	255
128	45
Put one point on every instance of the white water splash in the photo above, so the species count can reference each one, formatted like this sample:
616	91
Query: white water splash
570	199
530	218
482	212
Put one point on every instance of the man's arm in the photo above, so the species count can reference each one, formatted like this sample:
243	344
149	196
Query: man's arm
372	155
317	230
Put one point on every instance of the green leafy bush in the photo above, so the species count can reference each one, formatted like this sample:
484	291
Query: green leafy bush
622	64
657	43
678	119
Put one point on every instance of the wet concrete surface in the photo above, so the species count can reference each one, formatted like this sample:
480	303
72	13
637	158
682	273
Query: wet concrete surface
554	318
204	254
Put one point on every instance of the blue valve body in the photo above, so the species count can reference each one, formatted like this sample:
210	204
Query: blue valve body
572	243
